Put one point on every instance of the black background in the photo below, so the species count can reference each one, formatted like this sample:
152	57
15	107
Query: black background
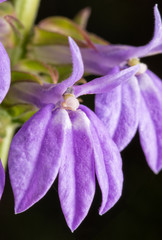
138	214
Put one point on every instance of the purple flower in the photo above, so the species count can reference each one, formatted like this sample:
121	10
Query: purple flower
136	103
5	79
66	139
5	72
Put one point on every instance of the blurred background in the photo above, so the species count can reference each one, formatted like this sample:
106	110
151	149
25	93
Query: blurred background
138	214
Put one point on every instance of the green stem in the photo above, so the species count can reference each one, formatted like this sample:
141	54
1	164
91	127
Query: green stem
5	144
26	11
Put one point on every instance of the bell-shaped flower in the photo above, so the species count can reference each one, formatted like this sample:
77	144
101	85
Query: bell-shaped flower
136	103
66	139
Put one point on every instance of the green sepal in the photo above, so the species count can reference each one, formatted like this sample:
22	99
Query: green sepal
66	27
17	76
45	37
82	17
63	26
11	27
43	72
21	113
5	120
7	130
6	8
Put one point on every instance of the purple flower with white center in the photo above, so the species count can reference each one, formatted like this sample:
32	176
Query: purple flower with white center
66	139
136	103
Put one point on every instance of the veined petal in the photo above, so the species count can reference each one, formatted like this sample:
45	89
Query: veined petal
35	156
2	179
150	124
108	163
156	80
76	175
108	108
156	50
106	83
129	114
5	72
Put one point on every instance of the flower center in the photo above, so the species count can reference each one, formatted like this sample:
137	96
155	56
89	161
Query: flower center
70	102
142	66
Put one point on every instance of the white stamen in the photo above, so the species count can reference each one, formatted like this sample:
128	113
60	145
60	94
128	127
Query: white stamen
142	66
70	102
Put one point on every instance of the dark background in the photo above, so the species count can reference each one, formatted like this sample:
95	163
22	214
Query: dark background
138	214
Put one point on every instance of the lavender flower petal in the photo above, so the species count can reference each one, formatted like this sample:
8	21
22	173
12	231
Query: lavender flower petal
106	83
2	179
150	124
5	72
156	80
76	175
50	93
108	163
108	108
35	156
108	56
120	114
78	70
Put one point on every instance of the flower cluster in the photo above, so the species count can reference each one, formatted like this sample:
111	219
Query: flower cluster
64	138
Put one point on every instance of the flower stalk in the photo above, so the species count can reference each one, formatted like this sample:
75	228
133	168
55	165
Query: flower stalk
5	143
26	11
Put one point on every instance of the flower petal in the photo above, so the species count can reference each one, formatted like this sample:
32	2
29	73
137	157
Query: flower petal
108	163
76	175
156	80
150	124
108	56
108	108
106	83
119	111
5	72
78	70
104	57
35	156
2	179
50	93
